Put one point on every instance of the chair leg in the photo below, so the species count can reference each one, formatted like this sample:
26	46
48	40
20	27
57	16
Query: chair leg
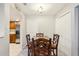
56	52
28	52
53	52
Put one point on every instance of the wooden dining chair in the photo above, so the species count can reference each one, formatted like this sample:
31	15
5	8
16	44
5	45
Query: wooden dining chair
41	47
54	44
39	35
28	40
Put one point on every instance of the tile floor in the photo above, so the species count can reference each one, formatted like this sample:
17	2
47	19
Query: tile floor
15	50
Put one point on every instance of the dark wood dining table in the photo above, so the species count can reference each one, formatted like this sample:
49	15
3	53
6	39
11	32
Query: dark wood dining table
30	43
35	38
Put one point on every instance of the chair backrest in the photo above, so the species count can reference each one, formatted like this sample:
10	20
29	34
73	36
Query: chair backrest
28	38
41	47
56	39
39	35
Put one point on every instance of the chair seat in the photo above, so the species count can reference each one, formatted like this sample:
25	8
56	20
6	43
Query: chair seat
53	46
41	52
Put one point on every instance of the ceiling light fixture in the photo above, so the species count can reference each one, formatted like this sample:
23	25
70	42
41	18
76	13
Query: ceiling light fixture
40	10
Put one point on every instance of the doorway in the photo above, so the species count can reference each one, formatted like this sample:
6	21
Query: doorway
75	30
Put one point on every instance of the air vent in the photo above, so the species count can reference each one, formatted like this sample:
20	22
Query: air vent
17	8
25	4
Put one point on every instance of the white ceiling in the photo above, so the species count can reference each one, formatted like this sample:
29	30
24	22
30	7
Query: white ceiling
34	9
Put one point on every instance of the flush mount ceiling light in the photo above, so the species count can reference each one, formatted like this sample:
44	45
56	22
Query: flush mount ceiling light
40	8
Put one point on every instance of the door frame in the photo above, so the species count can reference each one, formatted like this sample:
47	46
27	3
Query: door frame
74	30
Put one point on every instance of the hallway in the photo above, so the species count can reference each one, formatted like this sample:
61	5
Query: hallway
16	51
39	16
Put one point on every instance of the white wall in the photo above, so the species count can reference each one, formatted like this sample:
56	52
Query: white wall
2	19
4	22
43	24
17	15
63	28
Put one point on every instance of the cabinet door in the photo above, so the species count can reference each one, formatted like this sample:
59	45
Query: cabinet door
12	25
12	38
